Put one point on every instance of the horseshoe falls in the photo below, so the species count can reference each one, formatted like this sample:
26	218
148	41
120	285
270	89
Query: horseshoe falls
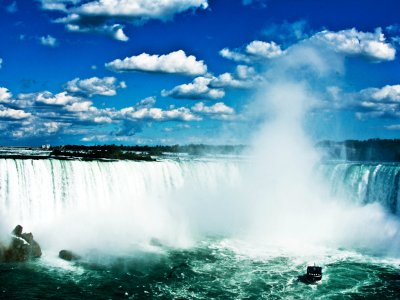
201	228
365	183
119	199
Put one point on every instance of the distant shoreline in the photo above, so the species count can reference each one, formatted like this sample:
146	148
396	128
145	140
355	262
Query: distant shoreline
113	152
372	150
382	150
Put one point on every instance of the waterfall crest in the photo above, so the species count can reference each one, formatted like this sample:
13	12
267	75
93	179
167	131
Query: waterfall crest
90	205
118	200
364	183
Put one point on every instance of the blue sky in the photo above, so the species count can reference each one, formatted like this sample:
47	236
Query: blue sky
188	71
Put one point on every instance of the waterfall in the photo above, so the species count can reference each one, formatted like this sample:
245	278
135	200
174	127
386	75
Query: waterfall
123	204
364	183
119	200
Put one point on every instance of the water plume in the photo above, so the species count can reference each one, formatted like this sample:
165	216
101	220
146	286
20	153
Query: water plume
291	204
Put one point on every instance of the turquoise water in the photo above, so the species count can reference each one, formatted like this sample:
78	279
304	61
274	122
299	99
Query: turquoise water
213	269
179	229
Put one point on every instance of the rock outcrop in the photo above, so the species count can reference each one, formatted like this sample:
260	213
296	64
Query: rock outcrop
22	247
68	255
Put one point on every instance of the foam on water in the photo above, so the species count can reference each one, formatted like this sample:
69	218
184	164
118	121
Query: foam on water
84	205
144	231
115	207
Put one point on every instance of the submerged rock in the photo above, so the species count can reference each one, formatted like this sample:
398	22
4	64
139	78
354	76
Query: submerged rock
180	271
22	247
68	255
156	242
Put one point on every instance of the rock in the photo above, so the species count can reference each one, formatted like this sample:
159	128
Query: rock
68	255
22	247
17	230
180	271
156	242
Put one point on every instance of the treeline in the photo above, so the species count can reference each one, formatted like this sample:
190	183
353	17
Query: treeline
93	154
141	153
193	149
385	150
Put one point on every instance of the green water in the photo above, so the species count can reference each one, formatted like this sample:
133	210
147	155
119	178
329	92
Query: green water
208	270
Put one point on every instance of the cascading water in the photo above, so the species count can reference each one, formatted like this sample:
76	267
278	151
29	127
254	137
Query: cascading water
182	228
89	204
86	205
364	183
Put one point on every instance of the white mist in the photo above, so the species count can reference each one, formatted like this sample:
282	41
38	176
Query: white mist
290	206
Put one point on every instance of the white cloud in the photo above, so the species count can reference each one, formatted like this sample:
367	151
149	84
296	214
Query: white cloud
104	138
115	31
66	102
234	55
81	106
36	127
44	113
13	114
393	127
198	89
60	99
1	63
334	92
53	127
139	9
368	110
48	41
264	49
103	16
62	107
79	110
217	108
157	114
245	72
146	102
5	95
245	77
388	93
58	4
218	111
212	88
102	120
227	80
254	51
106	86
175	62
353	42
373	102
371	45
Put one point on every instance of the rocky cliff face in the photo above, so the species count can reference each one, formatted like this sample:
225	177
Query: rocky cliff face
21	248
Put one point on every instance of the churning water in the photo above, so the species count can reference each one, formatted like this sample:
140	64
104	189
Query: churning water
190	229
